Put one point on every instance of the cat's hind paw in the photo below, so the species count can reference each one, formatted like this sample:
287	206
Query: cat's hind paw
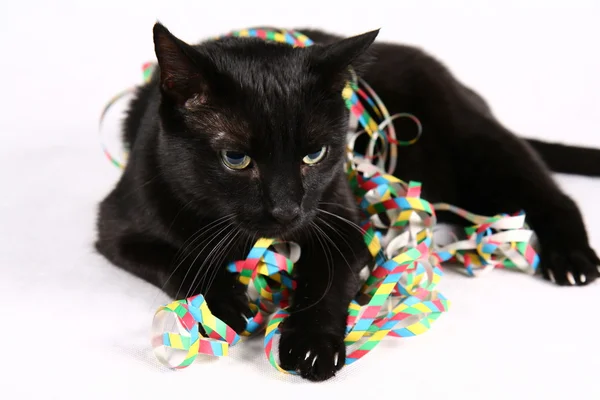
574	267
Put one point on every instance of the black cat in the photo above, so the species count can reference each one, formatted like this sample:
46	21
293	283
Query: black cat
240	138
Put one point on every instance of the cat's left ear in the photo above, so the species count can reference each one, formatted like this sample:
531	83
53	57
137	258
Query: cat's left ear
333	60
182	69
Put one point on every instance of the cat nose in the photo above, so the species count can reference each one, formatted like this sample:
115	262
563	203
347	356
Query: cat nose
286	213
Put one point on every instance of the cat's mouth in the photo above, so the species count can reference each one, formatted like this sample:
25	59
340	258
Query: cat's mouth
280	231
277	230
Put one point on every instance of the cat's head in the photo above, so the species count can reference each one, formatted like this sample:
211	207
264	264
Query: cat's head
252	128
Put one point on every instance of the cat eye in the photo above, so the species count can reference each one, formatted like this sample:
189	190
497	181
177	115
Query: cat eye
315	157
235	160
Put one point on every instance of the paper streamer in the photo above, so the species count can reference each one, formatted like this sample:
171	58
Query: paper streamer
267	267
399	296
178	345
501	241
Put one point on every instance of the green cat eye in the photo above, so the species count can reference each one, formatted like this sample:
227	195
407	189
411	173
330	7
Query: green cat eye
315	157
235	159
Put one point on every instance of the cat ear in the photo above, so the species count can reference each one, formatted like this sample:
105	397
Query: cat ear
181	72
333	60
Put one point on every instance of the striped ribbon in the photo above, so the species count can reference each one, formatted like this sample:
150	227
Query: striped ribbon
501	241
178	345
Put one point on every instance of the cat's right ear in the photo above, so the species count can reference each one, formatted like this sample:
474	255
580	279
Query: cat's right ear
332	60
181	73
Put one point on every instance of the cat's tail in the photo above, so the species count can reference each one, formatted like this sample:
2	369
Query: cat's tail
568	159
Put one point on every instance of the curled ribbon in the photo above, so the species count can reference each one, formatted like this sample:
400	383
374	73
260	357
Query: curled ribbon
400	291
179	345
267	267
501	241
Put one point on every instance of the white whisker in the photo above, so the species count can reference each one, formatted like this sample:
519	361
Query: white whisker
337	247
354	225
210	240
221	258
206	263
195	236
339	205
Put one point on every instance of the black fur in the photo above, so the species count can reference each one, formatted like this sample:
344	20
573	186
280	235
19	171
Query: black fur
166	220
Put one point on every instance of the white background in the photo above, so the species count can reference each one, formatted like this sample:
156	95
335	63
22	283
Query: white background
73	326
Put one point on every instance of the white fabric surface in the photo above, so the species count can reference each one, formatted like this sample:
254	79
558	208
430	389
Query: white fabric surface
75	327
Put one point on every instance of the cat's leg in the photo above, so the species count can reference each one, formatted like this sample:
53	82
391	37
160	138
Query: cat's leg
466	157
160	264
141	255
500	173
327	274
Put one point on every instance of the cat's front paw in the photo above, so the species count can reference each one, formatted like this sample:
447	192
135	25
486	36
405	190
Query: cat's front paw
232	309
315	355
570	267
